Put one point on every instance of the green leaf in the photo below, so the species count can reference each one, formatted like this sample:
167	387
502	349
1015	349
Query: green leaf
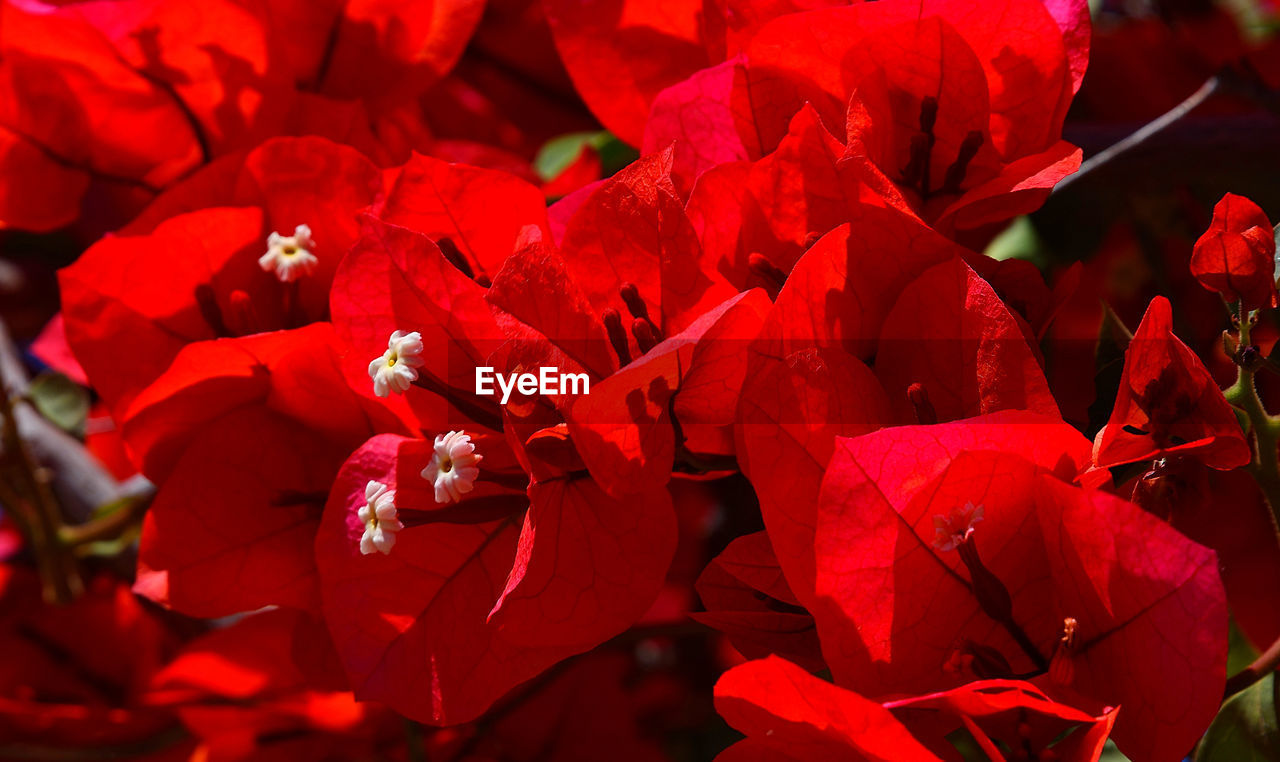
1111	753
1020	240
1240	652
107	548
558	153
1246	730
967	746
614	154
61	400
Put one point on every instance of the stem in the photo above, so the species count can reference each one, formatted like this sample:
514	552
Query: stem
42	517
413	741
1027	645
1262	666
292	299
1265	467
106	527
48	477
687	461
484	413
1144	133
80	481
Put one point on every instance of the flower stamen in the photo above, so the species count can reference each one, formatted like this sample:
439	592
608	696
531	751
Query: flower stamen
395	370
954	528
454	466
379	517
290	257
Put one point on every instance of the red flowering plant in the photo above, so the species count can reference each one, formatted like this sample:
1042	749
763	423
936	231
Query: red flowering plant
535	526
936	114
957	505
108	103
233	339
787	713
791	428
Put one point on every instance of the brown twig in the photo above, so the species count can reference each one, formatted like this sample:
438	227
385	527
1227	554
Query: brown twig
30	496
111	525
52	484
80	483
1144	133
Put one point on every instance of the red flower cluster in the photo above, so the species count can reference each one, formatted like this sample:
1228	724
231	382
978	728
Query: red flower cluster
790	403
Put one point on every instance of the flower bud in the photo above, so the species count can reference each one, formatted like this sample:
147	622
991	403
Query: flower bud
1236	255
1062	670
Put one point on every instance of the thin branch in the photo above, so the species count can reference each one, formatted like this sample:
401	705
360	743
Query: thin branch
1260	668
53	484
80	482
42	517
109	526
1145	133
1265	468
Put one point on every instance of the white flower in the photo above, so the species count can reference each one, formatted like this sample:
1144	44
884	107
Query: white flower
290	257
950	530
379	517
394	370
454	466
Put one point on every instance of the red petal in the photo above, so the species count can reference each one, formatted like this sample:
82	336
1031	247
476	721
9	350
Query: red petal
232	527
1168	403
1236	255
621	53
113	298
706	119
950	333
396	279
295	373
418	630
394	50
793	407
540	299
633	229
795	715
622	428
481	211
50	196
1013	713
1157	643
747	598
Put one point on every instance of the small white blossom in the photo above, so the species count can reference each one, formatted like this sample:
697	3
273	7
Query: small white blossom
394	370
290	257
950	530
454	466
379	517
